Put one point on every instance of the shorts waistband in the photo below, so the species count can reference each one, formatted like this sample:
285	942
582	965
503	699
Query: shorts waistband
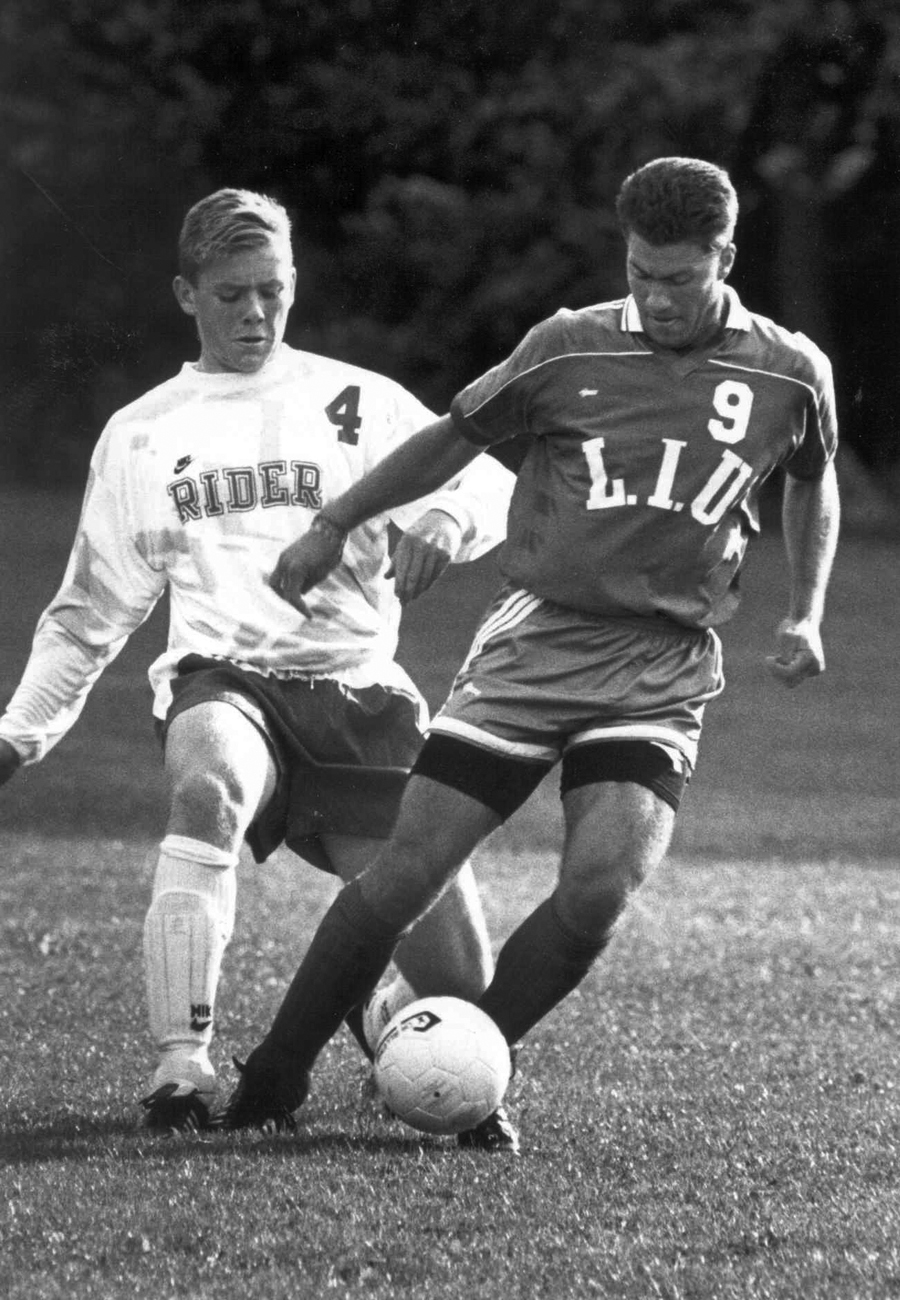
657	623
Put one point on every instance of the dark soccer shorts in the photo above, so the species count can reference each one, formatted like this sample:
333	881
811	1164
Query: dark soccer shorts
542	680
342	755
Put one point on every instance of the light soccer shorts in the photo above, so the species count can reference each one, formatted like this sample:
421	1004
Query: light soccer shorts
541	679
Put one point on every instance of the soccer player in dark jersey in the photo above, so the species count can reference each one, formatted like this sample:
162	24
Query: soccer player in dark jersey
651	424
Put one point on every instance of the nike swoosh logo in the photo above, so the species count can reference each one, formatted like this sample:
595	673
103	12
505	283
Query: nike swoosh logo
182	463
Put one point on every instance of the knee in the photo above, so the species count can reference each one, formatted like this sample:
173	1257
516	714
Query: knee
416	866
396	892
428	846
590	897
208	805
414	846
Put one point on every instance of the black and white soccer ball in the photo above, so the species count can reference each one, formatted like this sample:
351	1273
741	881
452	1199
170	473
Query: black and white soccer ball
382	1006
442	1065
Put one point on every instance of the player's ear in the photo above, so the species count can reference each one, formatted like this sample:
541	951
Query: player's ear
184	295
726	260
293	286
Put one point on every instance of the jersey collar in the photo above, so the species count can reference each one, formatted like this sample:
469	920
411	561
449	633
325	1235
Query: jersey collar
738	315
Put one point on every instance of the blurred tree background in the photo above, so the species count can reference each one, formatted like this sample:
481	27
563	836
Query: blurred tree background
451	170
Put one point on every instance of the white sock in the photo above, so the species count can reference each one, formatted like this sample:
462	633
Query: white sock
186	932
383	1005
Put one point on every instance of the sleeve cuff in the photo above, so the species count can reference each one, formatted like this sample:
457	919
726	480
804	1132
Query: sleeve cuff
464	428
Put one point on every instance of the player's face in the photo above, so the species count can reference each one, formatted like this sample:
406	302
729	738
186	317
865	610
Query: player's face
241	306
679	290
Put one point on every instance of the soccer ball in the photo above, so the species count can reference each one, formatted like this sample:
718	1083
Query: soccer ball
383	1005
442	1065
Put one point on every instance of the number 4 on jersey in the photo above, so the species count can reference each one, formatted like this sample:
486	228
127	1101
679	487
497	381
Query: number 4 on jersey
344	412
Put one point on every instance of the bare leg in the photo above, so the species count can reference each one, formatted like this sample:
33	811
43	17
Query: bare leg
360	932
448	951
220	772
616	832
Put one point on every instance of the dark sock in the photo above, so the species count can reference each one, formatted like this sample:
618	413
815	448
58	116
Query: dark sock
349	953
355	1023
541	962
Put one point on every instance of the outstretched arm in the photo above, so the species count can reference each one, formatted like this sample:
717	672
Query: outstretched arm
810	520
107	591
419	466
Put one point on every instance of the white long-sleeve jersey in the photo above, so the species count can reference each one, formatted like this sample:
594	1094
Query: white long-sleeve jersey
197	487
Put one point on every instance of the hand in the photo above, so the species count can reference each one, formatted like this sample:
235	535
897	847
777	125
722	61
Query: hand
10	761
306	563
423	553
800	652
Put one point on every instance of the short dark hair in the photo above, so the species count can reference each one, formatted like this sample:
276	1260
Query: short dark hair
226	222
678	201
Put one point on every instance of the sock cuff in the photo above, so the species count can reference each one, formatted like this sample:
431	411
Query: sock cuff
190	850
577	945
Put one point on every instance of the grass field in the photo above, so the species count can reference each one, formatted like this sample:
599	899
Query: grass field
714	1114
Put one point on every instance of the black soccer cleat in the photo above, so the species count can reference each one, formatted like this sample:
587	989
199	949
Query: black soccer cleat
495	1134
261	1102
176	1108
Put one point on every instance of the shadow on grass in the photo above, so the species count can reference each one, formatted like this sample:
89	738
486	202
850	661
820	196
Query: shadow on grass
78	1138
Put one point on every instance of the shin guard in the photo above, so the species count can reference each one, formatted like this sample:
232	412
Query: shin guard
186	932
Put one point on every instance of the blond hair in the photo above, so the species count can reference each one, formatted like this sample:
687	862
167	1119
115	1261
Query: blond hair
225	223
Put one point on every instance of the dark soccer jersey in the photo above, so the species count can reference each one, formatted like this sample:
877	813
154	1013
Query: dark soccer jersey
638	493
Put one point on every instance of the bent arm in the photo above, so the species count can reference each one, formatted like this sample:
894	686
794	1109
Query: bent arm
810	522
418	467
811	519
460	522
477	499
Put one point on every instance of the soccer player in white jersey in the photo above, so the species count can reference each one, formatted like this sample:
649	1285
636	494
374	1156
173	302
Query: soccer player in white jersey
276	727
650	425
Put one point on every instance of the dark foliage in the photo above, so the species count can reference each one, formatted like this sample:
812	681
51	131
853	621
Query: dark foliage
451	171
